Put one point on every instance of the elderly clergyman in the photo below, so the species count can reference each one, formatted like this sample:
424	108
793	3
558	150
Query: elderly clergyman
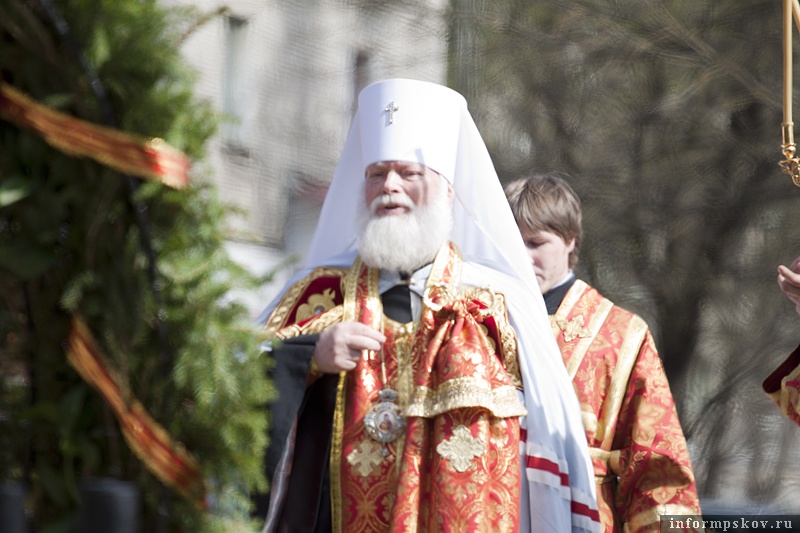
420	385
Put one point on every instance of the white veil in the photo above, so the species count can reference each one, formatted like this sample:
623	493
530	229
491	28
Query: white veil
420	121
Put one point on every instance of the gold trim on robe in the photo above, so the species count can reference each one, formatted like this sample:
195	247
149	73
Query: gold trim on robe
456	467
641	462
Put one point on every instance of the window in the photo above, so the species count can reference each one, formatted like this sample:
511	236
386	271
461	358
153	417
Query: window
233	80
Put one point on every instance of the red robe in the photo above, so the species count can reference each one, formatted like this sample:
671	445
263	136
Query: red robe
456	467
783	386
641	462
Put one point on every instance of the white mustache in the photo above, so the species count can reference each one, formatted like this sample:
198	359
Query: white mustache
400	199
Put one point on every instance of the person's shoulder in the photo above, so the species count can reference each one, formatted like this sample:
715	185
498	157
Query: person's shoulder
619	313
322	276
324	273
305	283
318	281
312	294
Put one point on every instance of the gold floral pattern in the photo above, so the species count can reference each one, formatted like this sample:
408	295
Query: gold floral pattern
315	324
507	344
283	314
641	462
461	448
455	365
465	392
315	305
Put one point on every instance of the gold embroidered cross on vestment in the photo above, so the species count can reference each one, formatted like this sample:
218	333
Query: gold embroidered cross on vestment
573	328
461	448
365	457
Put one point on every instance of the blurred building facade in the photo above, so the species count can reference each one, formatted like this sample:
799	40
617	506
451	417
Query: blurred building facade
286	75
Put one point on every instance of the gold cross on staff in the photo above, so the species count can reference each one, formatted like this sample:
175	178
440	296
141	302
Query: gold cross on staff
391	109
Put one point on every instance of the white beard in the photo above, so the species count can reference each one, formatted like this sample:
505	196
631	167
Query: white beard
405	242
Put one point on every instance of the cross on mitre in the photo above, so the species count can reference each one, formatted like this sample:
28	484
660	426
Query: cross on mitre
391	109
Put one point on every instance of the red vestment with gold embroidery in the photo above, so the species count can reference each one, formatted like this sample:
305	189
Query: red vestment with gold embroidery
641	462
457	466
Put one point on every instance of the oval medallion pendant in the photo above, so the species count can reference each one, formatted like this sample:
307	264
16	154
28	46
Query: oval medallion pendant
384	421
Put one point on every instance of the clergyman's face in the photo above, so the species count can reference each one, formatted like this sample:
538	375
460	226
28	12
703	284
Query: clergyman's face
549	255
407	215
414	181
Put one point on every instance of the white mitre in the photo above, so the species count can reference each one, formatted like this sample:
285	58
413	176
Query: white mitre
408	120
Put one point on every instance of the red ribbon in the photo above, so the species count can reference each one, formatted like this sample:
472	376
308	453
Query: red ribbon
166	459
151	159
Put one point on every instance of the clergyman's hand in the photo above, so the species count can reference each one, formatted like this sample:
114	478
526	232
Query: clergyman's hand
789	282
340	346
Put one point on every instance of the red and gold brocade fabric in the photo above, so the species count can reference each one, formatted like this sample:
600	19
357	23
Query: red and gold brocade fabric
641	462
783	386
456	467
